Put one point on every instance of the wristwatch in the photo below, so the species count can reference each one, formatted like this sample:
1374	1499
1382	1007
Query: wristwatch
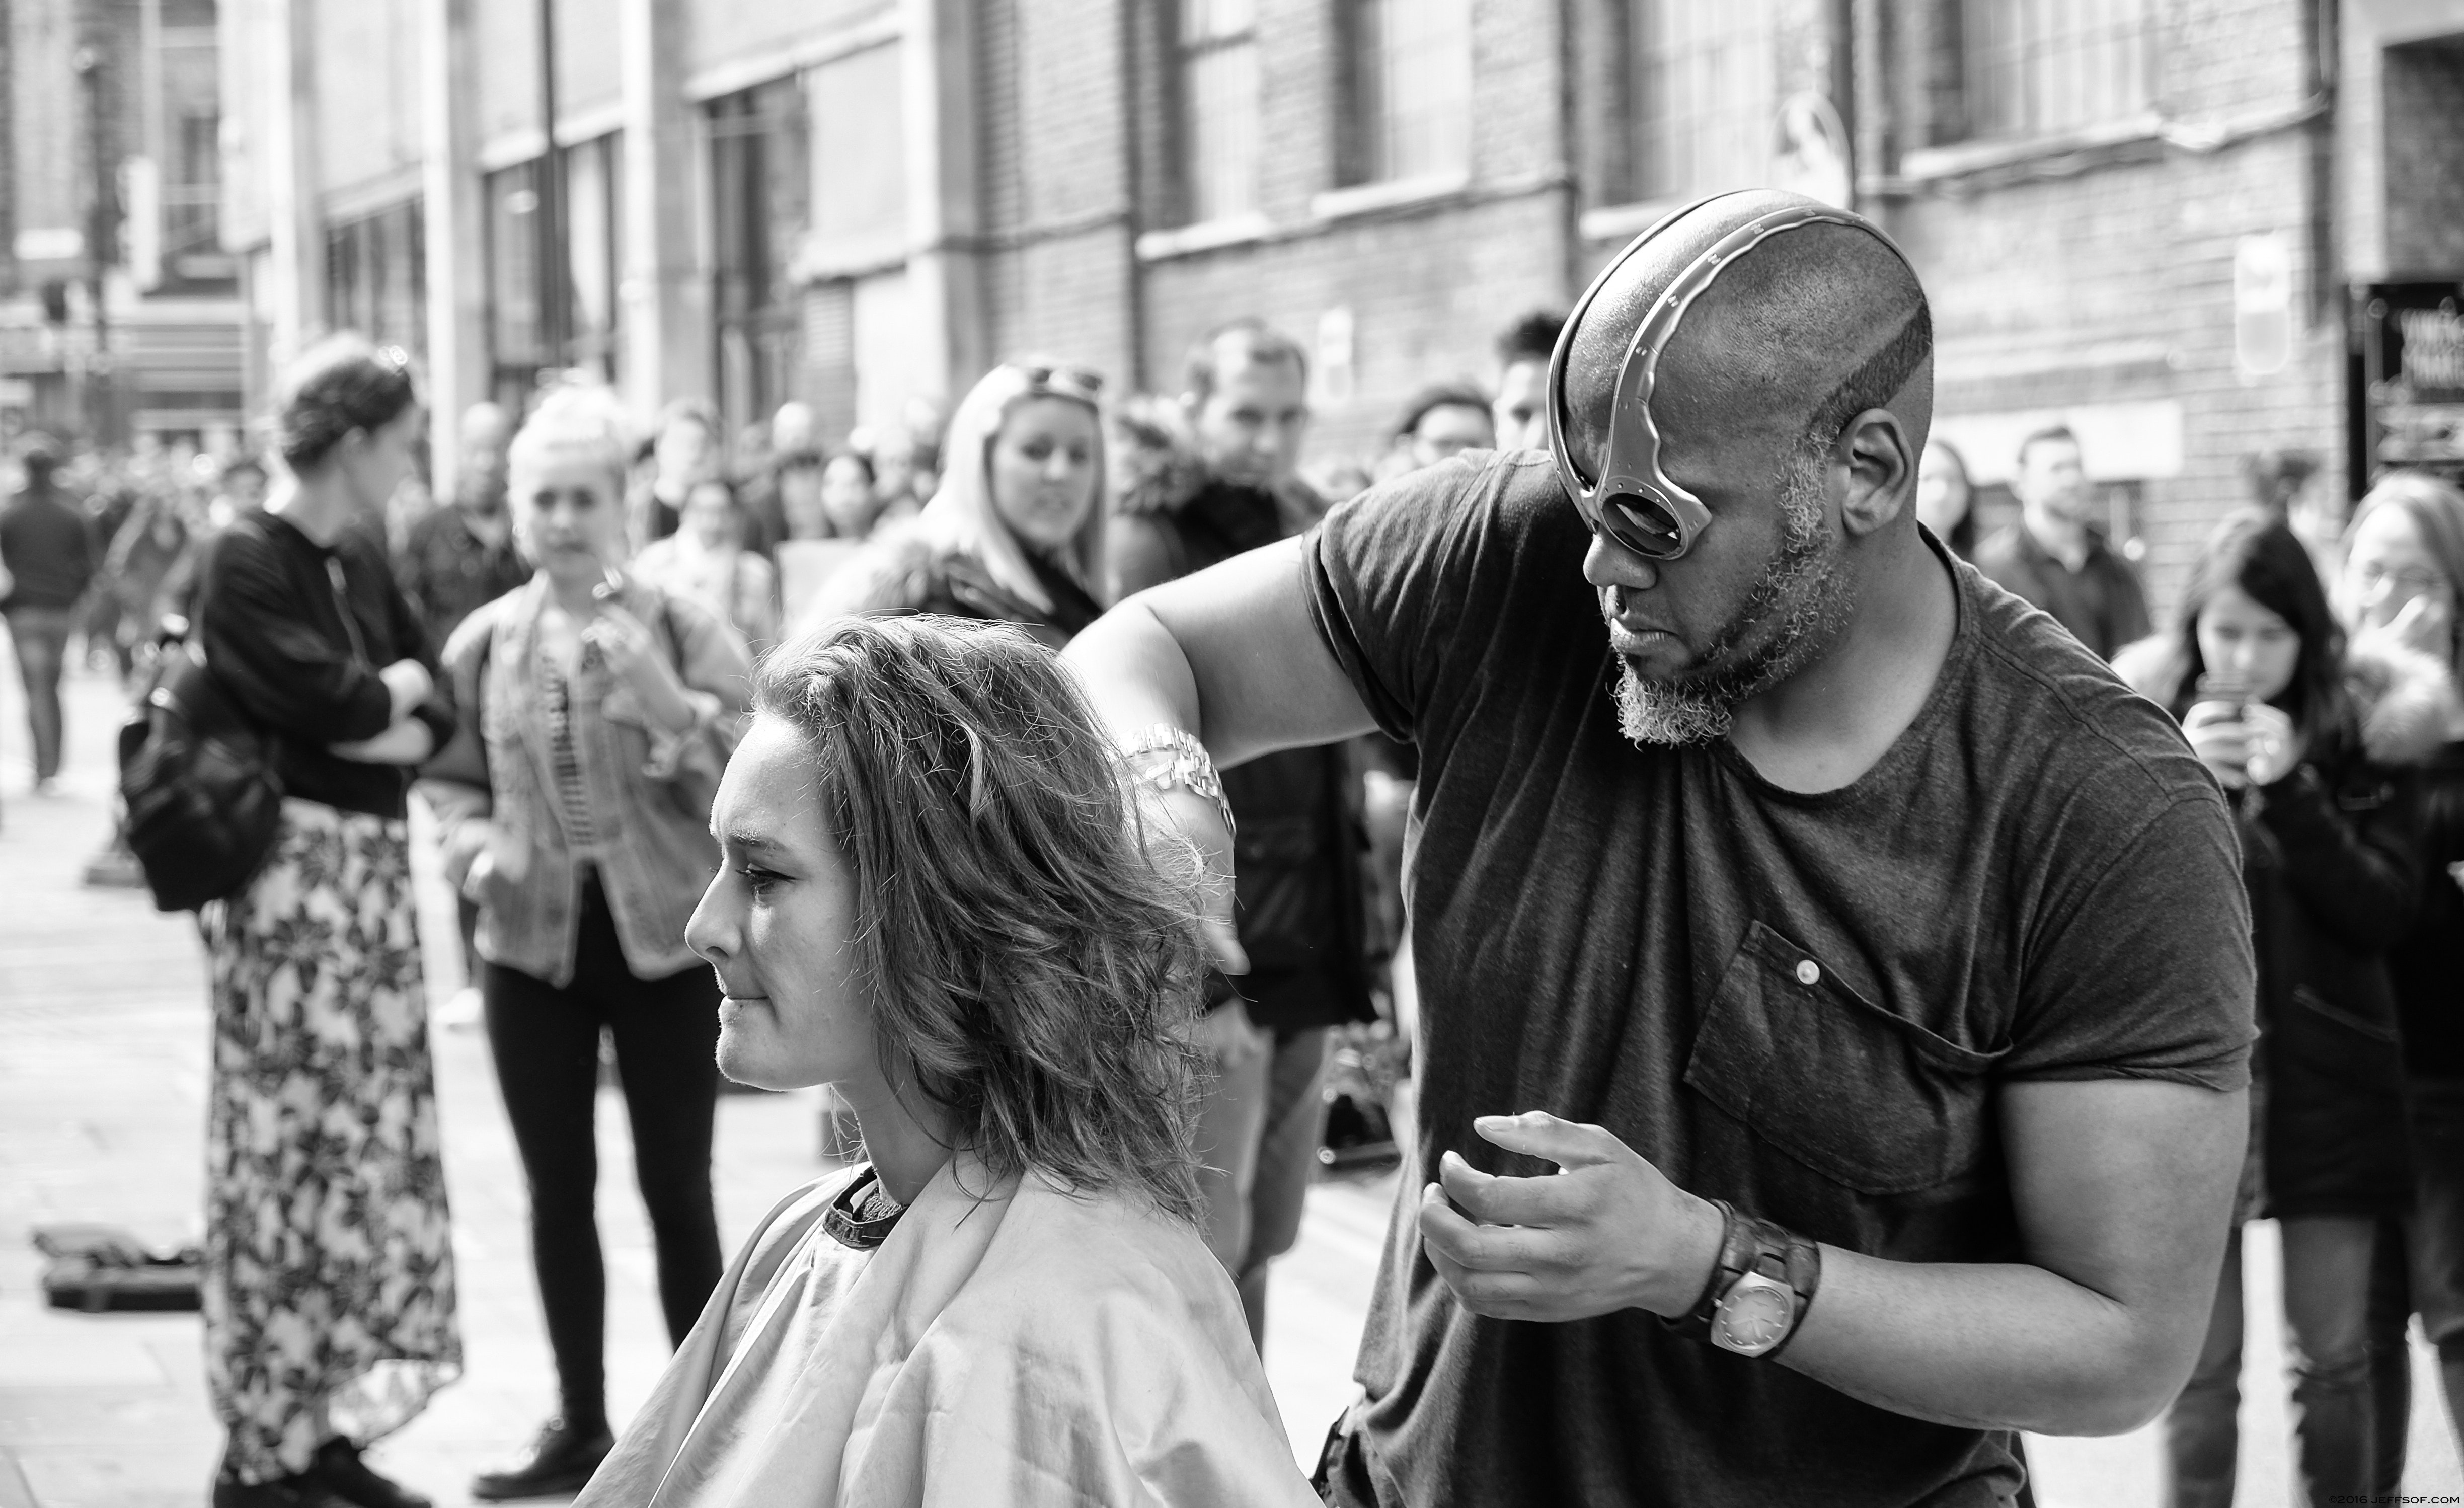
1759	1291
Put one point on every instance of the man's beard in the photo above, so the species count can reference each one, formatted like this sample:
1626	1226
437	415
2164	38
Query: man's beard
1795	611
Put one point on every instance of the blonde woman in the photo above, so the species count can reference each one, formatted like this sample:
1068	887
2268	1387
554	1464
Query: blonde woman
598	711
1016	532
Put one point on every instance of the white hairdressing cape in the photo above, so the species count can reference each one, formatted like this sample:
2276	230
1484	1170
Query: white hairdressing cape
1028	1347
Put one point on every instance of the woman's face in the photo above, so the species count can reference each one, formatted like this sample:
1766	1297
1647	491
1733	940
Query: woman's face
1043	470
2387	567
385	459
710	512
778	923
569	512
2244	641
846	496
800	502
1942	492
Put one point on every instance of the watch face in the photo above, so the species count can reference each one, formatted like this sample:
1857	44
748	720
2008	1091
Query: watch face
1753	1317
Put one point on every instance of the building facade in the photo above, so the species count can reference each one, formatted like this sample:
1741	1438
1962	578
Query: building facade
2164	222
119	315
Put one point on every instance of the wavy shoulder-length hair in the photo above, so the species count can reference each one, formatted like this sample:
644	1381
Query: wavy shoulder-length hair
2256	553
1029	942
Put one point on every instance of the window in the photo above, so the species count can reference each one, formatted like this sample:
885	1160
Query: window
1411	83
1703	96
1219	97
2038	66
760	184
376	276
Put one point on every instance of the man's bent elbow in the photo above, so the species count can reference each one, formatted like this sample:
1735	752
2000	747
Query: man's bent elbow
2125	1394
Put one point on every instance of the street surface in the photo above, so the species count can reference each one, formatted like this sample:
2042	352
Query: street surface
102	1058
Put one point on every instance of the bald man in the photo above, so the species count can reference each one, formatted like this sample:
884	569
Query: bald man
1836	989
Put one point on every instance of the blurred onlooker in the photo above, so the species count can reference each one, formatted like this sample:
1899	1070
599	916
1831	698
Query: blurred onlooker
707	560
788	440
598	712
138	568
1338	480
460	556
1442	421
48	547
2401	589
241	492
2053	555
1520	407
1301	905
1946	499
2280	483
2317	750
830	507
1017	532
848	496
110	495
684	451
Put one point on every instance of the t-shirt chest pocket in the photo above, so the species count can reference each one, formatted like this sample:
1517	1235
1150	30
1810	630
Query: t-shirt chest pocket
1863	1096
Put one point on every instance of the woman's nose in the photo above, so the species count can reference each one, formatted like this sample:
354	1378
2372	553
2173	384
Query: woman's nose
707	932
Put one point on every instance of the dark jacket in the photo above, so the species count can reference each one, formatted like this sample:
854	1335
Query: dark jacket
447	571
2100	603
1297	857
47	546
2427	966
899	572
2332	858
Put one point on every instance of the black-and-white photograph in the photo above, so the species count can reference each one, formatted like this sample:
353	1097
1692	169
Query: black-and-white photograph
1206	753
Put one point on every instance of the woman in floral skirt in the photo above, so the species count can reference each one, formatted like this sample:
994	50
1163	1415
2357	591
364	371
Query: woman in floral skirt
329	1267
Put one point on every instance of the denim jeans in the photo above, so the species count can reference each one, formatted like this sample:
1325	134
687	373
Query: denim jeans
2326	1303
1258	1127
41	637
2437	1228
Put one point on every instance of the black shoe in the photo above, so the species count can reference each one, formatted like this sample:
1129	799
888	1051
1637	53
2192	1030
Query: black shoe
561	1461
337	1468
283	1492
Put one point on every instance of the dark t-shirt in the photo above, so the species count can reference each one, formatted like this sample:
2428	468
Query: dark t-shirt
1801	1003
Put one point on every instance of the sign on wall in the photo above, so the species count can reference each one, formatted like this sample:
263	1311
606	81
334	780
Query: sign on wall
2411	391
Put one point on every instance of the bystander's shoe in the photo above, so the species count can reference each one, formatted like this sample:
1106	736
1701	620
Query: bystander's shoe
337	1468
283	1492
561	1461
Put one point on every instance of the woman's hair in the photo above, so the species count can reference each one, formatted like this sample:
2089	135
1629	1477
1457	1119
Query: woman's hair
2436	510
1028	961
573	419
2259	554
962	518
338	385
849	452
727	489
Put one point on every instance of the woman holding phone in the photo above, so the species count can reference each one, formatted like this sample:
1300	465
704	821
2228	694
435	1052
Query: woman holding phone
2318	752
598	712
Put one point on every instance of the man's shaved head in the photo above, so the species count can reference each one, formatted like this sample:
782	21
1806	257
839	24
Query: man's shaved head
1808	329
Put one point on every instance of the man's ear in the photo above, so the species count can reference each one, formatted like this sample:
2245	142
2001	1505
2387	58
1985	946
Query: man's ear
1880	463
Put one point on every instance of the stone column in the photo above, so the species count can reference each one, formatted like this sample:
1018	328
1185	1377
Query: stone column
296	227
664	296
457	271
945	286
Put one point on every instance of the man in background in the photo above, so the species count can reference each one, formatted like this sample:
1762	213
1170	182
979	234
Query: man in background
460	556
1442	421
1523	351
1300	905
48	547
2054	556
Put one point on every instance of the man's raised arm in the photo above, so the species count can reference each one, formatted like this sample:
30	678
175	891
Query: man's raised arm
1229	655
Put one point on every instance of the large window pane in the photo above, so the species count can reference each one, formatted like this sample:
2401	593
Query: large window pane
2037	66
1703	96
1218	90
1412	87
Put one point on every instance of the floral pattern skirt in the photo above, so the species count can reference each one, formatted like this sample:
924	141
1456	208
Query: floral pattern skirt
329	1265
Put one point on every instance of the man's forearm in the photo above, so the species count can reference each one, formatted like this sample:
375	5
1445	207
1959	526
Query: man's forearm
1985	1347
1135	673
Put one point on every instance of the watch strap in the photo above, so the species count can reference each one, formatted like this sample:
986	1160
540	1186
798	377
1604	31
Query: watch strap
1735	1253
1750	1245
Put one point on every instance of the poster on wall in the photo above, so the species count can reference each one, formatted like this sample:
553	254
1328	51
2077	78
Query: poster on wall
2411	390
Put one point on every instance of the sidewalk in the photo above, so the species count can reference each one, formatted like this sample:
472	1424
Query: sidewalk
102	1056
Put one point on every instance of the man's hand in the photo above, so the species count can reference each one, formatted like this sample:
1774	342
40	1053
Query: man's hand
1607	1232
1201	827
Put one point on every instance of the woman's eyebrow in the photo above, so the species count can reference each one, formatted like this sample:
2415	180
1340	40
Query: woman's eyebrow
756	842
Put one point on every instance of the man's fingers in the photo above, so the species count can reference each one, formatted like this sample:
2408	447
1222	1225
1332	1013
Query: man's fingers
1536	1133
1223	944
1446	1231
1496	1201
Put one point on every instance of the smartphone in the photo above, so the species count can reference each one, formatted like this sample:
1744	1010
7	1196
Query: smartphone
2217	686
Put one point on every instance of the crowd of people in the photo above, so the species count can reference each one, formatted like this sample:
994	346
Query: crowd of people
1891	974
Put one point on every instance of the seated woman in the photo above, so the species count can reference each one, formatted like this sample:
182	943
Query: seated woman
934	899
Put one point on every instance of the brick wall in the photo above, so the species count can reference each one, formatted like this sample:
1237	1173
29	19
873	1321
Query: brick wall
2424	145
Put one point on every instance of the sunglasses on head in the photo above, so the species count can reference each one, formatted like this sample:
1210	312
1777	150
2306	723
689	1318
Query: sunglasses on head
1085	382
1634	501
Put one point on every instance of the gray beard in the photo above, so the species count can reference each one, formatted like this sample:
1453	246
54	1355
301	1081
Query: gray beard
1793	614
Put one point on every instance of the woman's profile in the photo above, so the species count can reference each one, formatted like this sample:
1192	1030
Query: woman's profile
932	897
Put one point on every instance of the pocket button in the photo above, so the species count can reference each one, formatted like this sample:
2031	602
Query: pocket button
1808	973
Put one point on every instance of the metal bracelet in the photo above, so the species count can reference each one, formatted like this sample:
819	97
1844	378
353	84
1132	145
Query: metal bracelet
1188	767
